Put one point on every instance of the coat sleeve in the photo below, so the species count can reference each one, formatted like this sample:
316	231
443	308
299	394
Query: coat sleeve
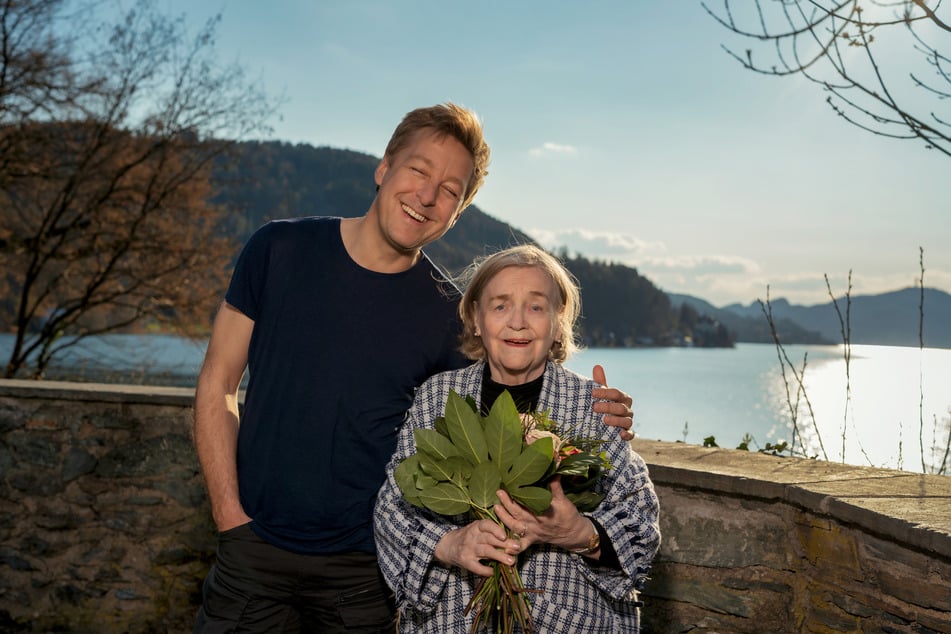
629	512
406	536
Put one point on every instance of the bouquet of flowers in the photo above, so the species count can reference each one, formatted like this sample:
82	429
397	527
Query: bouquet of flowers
461	463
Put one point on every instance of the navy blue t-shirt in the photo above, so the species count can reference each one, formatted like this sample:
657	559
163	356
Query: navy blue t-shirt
335	356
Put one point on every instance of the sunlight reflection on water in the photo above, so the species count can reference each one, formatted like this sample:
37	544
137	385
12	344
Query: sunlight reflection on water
900	401
691	394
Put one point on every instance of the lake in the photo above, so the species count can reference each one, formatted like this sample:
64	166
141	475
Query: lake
690	394
687	393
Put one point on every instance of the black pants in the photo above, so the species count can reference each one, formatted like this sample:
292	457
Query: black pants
257	587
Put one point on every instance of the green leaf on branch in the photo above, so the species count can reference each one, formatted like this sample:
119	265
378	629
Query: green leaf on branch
445	498
484	483
535	499
465	430
471	402
531	464
503	432
461	470
441	470
405	476
434	444
440	425
424	481
585	501
575	484
580	463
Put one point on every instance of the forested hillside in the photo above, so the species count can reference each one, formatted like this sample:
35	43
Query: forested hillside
272	180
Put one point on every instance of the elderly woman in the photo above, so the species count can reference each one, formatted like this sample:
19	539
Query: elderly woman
518	313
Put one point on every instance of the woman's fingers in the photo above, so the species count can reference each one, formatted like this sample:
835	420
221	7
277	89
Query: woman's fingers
475	544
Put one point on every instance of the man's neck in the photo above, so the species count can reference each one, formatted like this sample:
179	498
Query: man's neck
367	248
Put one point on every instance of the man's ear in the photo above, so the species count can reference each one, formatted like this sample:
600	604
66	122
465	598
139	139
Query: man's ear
381	171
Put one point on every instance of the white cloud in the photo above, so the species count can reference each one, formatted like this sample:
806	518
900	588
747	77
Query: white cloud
601	245
635	251
703	266
553	149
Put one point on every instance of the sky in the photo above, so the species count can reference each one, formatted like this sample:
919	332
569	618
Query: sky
619	129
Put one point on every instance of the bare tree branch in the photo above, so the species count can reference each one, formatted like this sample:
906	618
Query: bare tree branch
107	150
838	46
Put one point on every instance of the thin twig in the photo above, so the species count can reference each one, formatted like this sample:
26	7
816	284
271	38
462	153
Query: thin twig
845	328
921	354
801	390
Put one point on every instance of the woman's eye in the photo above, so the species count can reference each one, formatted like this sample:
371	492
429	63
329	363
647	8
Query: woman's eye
451	192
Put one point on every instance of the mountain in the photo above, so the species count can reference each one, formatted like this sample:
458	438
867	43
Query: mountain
751	326
888	319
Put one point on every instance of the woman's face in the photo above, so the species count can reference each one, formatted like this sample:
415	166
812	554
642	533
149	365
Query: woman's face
516	317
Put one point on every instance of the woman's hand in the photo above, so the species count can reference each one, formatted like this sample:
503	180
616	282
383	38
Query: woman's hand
561	525
617	410
469	546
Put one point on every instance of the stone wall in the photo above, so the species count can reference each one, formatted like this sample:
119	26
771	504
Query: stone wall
756	543
104	527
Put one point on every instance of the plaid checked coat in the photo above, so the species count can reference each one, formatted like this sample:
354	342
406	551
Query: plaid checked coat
579	595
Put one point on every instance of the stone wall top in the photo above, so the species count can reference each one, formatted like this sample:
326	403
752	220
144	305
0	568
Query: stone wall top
97	392
909	508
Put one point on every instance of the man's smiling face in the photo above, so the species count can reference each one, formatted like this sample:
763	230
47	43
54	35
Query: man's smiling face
421	190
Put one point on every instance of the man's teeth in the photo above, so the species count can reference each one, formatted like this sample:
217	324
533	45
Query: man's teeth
415	216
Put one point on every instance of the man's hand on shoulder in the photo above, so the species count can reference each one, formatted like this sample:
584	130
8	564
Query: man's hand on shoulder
616	405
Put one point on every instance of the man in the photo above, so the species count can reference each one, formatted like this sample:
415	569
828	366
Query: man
337	322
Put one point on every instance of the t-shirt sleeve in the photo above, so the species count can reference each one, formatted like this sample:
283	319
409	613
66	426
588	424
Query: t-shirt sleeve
250	274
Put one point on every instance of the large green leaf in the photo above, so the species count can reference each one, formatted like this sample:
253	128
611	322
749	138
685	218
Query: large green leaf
405	473
579	463
535	499
441	470
585	501
531	464
465	430
483	484
461	470
445	498
405	476
440	425
545	446
424	481
471	402
575	484
503	432
434	444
